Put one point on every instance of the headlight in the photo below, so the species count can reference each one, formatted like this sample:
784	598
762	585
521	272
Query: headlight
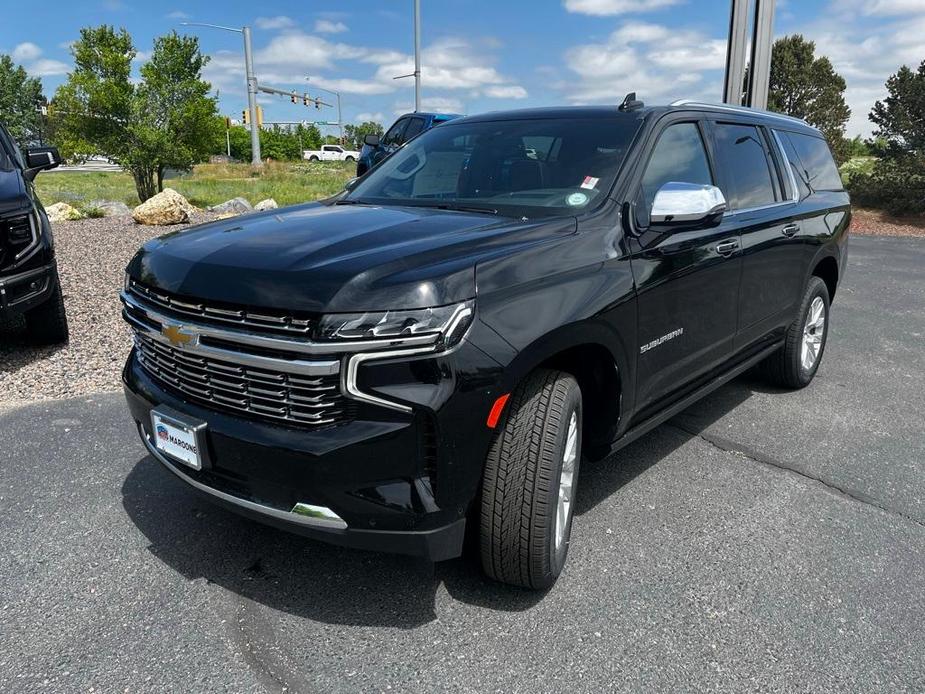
449	322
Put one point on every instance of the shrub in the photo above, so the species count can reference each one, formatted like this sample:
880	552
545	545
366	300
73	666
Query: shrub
895	185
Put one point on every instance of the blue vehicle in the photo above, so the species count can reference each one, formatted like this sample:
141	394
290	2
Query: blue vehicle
375	149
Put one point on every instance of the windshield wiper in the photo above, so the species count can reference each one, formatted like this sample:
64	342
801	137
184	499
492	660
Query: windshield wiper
347	201
463	208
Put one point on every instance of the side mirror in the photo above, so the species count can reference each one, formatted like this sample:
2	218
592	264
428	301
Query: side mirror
371	140
351	183
679	205
40	159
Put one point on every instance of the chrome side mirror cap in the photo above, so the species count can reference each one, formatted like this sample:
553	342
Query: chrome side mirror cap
687	204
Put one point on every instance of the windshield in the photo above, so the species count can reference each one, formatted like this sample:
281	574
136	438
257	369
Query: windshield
529	167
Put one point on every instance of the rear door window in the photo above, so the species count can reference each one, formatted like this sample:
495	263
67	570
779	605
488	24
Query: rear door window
742	155
415	125
796	166
818	165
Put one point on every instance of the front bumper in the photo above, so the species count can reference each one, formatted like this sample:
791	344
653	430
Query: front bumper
25	290
377	482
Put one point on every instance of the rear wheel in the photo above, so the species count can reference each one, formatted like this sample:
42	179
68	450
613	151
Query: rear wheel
796	363
47	324
313	158
351	159
528	491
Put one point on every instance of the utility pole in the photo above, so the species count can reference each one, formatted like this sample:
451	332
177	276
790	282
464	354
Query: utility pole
417	57
251	85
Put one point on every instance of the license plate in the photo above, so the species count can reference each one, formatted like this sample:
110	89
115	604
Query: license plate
179	438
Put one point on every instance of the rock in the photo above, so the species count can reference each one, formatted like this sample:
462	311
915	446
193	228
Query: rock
268	204
61	212
234	206
167	207
111	208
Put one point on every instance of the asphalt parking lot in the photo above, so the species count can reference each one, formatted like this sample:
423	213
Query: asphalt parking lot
762	540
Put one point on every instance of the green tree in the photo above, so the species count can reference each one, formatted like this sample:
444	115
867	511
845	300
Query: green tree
166	120
897	182
808	87
20	100
355	134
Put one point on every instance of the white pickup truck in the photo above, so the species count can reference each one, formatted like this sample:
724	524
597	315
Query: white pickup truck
330	153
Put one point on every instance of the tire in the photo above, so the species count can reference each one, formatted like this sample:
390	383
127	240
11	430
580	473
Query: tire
350	159
46	324
795	364
313	158
520	510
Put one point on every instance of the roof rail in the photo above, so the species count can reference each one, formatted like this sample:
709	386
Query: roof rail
740	109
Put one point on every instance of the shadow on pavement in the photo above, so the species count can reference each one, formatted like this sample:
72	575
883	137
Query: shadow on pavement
16	349
334	585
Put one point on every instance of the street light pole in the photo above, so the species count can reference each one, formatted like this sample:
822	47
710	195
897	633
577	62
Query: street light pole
417	55
251	84
252	98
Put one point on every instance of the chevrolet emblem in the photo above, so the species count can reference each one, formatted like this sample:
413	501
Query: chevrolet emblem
176	335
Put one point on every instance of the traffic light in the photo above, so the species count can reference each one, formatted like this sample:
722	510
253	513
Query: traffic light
317	103
259	116
293	97
228	122
246	117
306	100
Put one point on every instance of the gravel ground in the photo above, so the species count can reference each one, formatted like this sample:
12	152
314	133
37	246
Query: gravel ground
92	255
876	223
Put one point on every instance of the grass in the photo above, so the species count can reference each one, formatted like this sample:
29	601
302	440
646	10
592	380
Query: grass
207	184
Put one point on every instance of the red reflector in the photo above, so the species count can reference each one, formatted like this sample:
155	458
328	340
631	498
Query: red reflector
496	411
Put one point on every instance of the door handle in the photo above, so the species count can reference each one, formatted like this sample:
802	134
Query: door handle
727	248
790	229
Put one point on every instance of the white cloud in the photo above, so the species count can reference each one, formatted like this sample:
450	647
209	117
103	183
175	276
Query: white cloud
437	104
303	51
26	51
45	67
274	23
657	62
30	56
377	117
603	8
507	91
178	14
326	26
351	86
892	7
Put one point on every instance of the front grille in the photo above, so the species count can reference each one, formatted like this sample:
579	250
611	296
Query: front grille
259	393
15	237
223	314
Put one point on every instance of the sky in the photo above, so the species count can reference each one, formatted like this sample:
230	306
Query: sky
478	55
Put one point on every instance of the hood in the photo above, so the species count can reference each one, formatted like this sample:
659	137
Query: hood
12	191
338	258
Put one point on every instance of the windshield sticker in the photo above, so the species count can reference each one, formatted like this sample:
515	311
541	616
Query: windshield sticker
590	182
576	199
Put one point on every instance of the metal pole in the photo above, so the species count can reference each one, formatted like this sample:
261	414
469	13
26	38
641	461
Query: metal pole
736	53
340	120
762	42
252	98
228	141
417	55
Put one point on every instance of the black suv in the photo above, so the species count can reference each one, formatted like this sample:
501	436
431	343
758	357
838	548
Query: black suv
435	351
29	285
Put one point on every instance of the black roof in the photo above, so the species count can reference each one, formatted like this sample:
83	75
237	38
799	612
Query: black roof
612	111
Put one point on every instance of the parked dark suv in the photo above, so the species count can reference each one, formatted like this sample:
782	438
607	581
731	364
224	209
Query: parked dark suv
435	351
29	285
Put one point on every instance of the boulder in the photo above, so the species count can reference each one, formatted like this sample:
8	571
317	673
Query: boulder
268	204
233	206
167	207
61	212
111	208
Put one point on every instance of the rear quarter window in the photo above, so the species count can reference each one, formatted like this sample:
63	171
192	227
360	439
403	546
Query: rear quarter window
820	171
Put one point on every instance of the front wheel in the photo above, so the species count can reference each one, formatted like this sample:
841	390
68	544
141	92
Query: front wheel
795	364
350	159
47	324
528	491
